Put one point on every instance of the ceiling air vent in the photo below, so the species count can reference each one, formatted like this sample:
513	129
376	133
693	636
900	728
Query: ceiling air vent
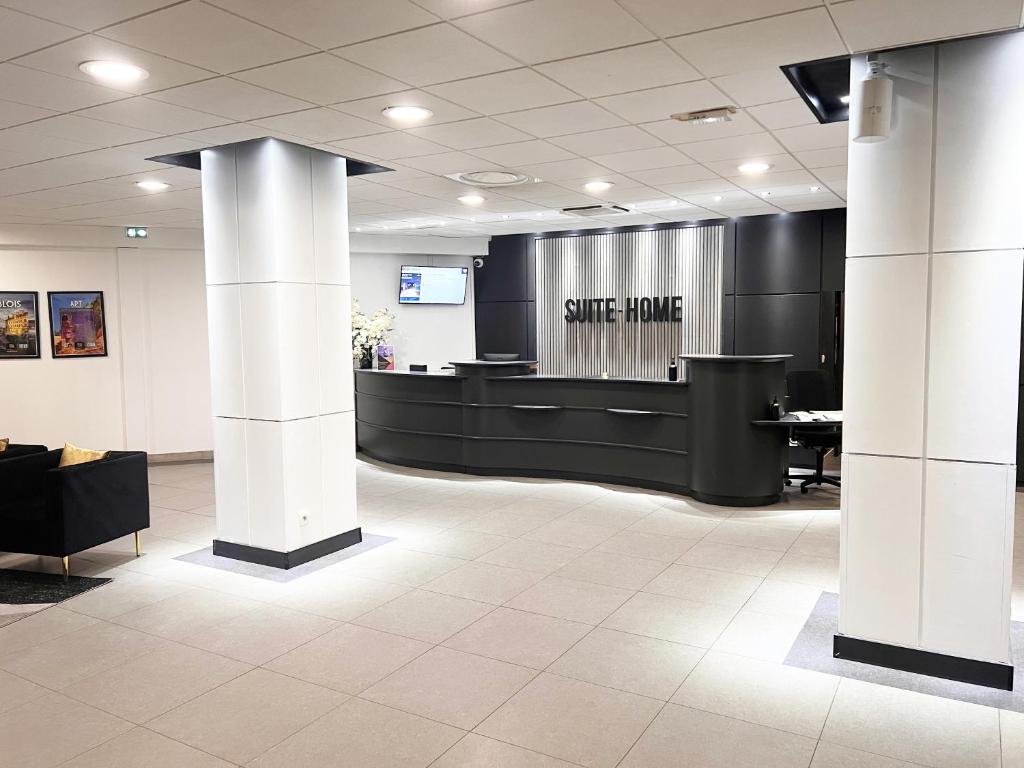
594	210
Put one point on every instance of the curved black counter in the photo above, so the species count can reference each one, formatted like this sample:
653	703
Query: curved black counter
694	439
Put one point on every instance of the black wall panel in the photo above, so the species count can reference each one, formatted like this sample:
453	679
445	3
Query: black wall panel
729	259
833	250
503	326
728	325
779	324
507	274
778	254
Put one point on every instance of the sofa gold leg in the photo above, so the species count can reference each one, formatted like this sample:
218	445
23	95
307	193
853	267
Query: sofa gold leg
138	543
66	562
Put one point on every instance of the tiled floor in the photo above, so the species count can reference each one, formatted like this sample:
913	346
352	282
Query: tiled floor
511	624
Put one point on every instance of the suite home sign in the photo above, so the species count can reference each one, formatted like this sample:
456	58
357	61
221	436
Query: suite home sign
643	309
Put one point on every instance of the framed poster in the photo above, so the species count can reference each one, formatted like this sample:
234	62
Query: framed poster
19	325
77	324
385	357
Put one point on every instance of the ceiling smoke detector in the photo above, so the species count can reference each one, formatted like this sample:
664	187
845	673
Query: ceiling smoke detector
492	178
706	116
594	210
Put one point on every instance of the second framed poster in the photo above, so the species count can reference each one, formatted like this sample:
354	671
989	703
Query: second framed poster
77	324
19	325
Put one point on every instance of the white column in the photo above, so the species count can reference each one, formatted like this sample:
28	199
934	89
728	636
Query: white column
275	219
932	327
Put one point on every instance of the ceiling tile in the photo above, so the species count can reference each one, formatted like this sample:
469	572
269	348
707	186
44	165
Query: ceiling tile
771	42
206	37
63	60
659	103
322	124
607	141
756	87
744	147
390	145
371	108
627	69
450	9
523	153
322	79
143	112
28	145
666	17
816	136
41	89
832	175
775	180
643	159
577	168
230	98
469	134
226	134
12	113
561	119
86	15
709	186
434	54
677	132
21	33
870	24
442	164
542	30
504	92
822	158
330	23
679	174
783	114
94	133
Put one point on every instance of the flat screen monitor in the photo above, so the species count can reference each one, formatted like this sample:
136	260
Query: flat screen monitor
433	285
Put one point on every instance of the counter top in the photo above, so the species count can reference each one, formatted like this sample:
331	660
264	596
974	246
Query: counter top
738	358
492	363
424	374
527	377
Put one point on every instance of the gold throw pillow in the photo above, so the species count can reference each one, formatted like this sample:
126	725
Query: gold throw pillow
72	454
4	443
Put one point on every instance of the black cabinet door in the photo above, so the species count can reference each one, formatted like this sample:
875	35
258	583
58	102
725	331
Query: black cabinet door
778	254
779	324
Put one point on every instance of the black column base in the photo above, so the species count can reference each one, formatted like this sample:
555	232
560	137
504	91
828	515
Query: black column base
286	560
987	673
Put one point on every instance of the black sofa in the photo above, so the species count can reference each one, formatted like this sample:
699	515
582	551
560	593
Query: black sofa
56	511
14	450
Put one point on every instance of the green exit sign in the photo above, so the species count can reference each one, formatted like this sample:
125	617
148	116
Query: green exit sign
142	232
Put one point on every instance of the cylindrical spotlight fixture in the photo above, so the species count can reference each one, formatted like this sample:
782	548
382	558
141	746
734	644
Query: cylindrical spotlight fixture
871	111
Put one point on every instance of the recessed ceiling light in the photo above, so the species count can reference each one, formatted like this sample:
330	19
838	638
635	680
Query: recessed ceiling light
113	71
471	199
766	194
718	198
815	189
706	116
152	185
753	167
407	113
491	178
598	186
505	216
359	229
845	99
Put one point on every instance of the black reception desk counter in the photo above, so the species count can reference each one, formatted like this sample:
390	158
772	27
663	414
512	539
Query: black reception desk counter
486	418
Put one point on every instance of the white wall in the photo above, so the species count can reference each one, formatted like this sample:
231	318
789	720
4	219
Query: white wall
430	334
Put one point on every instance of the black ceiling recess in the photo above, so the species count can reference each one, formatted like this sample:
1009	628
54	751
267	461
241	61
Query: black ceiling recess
822	84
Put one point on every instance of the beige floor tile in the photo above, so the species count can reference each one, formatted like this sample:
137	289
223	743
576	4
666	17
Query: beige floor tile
681	736
572	720
821	572
572	600
749	534
760	635
726	557
702	584
361	734
1011	727
40	627
186	500
51	729
245	717
650	546
476	751
504	522
518	637
565	533
59	662
669	618
449	686
784	598
612	569
785	698
816	545
540	509
484	582
530	556
459	543
185	614
834	756
152	684
641	665
400	566
350	658
663	522
913	726
427	616
128	592
608	514
140	747
262	634
15	691
338	595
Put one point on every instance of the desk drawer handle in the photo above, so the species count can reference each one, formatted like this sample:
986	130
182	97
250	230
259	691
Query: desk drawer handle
630	412
537	407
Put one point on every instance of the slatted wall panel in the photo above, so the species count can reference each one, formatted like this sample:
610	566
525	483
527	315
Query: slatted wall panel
667	262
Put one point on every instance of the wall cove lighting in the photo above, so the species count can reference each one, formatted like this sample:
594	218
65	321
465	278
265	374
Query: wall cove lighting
595	187
407	113
113	71
471	199
152	185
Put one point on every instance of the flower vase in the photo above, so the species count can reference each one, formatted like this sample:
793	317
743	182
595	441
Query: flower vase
366	359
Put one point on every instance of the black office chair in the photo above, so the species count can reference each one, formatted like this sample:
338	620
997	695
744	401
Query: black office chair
815	391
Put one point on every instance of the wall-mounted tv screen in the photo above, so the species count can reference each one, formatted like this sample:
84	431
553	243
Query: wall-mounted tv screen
433	285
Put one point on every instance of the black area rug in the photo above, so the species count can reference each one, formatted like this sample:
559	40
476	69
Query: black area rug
23	593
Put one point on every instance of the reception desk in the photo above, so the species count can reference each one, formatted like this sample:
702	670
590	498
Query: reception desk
694	438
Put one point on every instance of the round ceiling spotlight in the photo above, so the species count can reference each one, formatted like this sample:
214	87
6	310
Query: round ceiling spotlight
596	187
471	199
152	185
407	114
113	71
815	189
493	178
753	167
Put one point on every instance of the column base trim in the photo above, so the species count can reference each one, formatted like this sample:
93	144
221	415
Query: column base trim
987	673
286	560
